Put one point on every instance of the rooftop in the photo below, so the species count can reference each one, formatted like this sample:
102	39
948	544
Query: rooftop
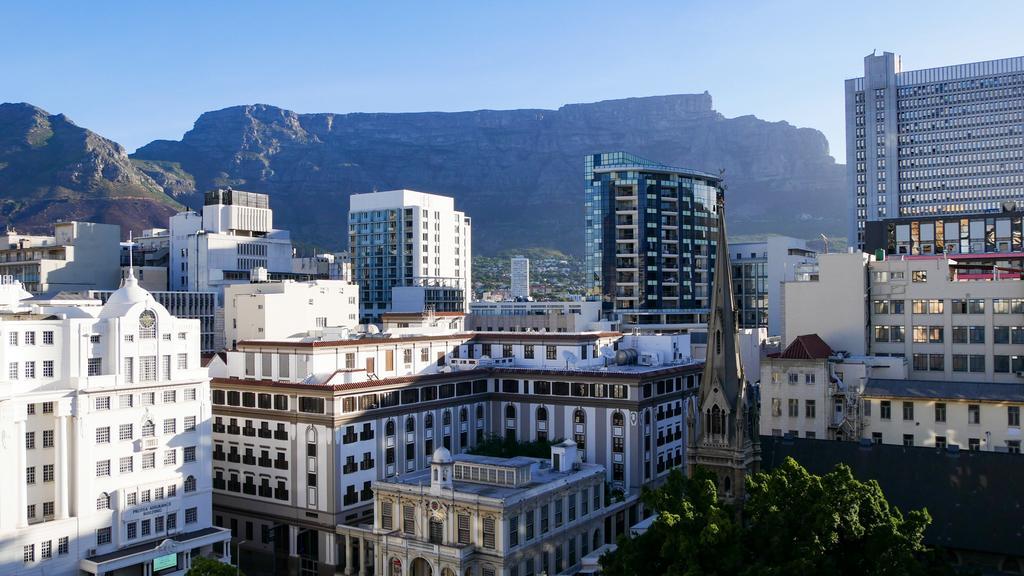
542	477
806	347
945	390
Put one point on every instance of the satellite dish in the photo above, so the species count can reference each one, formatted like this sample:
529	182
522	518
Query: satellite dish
608	352
570	358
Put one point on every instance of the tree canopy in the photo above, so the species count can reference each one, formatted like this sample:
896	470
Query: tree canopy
203	566
794	523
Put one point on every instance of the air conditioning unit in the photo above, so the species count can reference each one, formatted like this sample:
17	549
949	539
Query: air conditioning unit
150	443
90	552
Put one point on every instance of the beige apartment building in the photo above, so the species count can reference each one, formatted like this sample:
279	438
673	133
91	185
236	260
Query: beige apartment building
970	415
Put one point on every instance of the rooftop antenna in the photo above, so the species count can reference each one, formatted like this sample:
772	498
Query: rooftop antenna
131	262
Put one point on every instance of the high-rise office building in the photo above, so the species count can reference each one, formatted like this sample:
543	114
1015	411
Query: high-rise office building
650	238
409	247
938	141
520	277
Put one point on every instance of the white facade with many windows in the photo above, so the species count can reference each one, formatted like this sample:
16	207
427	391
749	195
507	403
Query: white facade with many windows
105	420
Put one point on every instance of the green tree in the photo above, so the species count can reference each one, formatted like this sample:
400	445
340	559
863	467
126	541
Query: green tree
793	524
203	566
694	533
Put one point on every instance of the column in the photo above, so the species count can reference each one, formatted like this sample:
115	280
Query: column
328	549
349	560
62	465
363	568
20	479
293	550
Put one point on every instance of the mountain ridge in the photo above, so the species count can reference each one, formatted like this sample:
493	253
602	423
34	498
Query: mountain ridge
518	173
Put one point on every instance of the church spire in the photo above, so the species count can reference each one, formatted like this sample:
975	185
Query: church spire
722	428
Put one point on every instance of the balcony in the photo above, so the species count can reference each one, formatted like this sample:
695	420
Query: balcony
280	494
249	460
234	457
280	435
265	433
265	462
366	465
349	438
364	436
235	430
218	428
349	468
281	464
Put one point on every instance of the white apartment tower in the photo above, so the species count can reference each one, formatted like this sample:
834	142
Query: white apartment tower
520	277
105	416
409	241
938	141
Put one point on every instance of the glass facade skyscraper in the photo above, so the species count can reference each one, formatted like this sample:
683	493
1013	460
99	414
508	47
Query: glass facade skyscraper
650	237
936	142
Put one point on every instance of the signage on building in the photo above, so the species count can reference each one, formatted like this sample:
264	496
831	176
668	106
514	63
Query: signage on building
165	562
152	509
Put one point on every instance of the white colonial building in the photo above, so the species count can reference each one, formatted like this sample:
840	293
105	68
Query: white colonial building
270	310
105	427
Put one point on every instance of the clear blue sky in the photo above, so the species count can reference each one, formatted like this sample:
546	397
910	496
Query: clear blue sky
142	70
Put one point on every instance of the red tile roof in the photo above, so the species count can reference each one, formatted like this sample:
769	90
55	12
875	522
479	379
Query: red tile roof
807	347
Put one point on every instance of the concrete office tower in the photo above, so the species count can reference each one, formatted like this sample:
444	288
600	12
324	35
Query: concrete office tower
79	256
106	418
414	243
650	239
759	270
234	235
939	141
520	277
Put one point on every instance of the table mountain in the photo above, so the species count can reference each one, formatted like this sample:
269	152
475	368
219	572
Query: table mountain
518	173
51	169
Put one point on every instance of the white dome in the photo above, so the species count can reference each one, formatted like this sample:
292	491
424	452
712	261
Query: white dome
442	456
125	297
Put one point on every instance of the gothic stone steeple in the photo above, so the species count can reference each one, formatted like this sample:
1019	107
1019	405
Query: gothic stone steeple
723	433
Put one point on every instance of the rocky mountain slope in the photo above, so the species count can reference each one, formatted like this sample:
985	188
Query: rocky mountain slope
518	173
51	169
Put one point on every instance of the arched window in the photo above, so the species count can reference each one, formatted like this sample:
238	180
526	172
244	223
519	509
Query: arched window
389	428
542	423
410	424
510	411
542	414
728	485
618	419
310	435
579	419
148	429
463	415
479	411
716	420
446	418
103	501
428	421
190	484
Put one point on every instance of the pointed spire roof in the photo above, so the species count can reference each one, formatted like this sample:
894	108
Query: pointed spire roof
723	368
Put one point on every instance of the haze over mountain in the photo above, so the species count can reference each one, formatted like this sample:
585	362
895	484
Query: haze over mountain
51	169
518	173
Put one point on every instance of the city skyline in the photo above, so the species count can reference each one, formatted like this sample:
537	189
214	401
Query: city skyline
173	80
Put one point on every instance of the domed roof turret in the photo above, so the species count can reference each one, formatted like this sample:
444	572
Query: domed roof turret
441	456
125	297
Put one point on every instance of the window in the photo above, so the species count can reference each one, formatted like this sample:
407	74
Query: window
189	453
95	367
940	441
131	530
973	444
489	532
974	414
190	423
62	543
809	409
551	352
1013	416
1013	446
170	396
919	276
513	531
908	439
191	515
528	351
29	550
794	408
103	403
125	432
30	475
190	484
12	338
125	401
463	528
147	368
47	368
103	536
386	520
908	410
148	461
885	410
127	464
408	519
12	370
182	361
48	337
30	440
170	457
103	435
103	468
148	429
940	411
30	369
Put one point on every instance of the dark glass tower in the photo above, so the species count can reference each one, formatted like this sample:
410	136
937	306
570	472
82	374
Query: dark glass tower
651	232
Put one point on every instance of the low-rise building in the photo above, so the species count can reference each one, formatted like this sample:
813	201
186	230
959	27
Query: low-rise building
79	256
526	316
200	306
838	285
486	516
759	270
275	310
106	417
971	415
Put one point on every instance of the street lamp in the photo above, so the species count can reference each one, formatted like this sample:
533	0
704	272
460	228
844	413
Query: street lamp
238	556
